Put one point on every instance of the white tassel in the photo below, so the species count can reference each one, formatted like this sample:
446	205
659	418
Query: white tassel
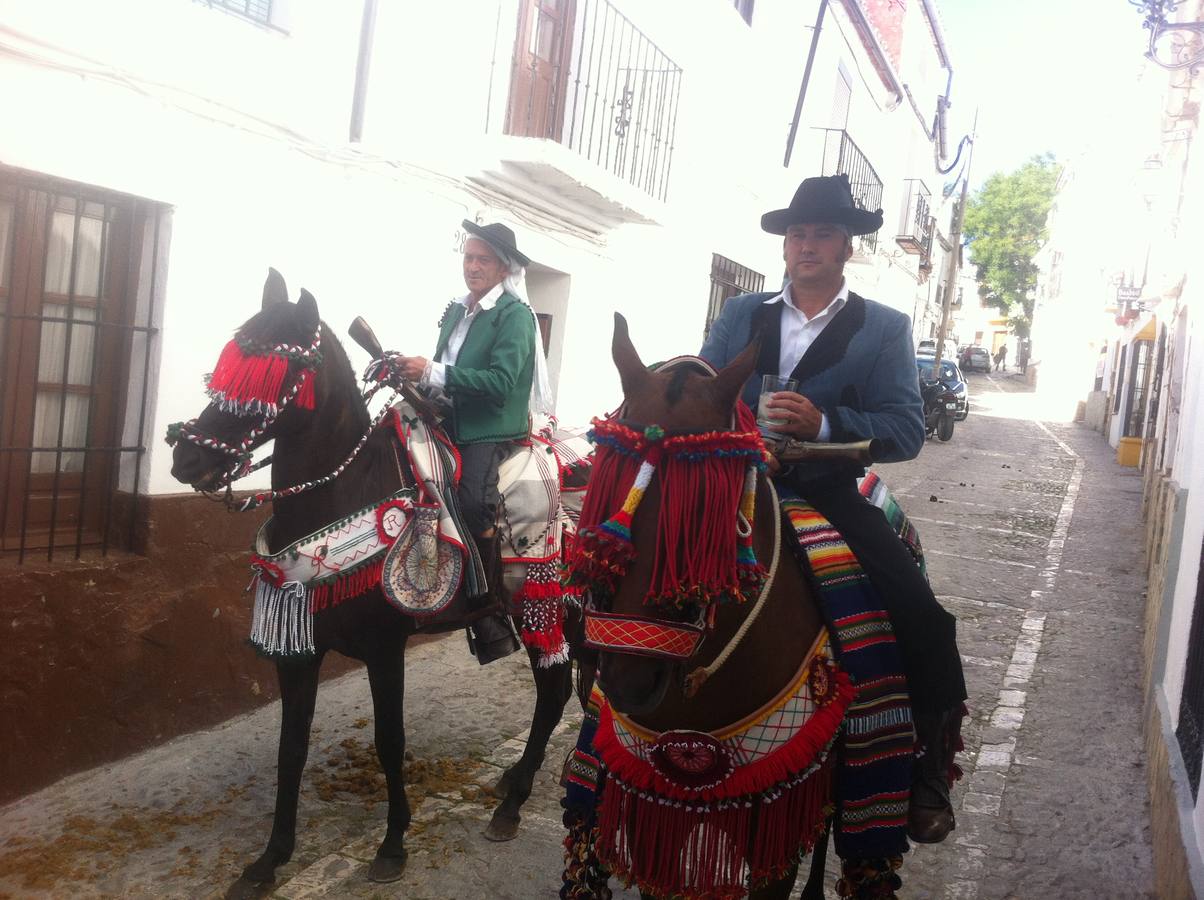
281	624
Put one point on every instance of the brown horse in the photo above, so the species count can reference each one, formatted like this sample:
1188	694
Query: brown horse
311	443
747	670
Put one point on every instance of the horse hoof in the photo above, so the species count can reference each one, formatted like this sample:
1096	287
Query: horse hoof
384	869
245	889
502	829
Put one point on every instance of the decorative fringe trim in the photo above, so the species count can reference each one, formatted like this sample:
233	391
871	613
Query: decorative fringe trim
869	879
242	379
540	604
710	851
305	393
707	480
345	586
705	844
584	877
281	623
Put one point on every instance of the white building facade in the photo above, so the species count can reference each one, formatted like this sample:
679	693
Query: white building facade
158	156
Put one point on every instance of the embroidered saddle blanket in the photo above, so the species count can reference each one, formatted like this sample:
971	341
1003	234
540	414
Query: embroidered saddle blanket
412	543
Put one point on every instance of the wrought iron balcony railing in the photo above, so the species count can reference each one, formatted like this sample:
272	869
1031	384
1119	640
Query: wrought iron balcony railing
916	226
586	77
841	155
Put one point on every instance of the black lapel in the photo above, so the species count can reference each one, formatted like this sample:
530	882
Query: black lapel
767	325
829	348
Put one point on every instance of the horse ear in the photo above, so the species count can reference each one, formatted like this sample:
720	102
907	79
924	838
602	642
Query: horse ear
308	307
632	371
275	291
730	380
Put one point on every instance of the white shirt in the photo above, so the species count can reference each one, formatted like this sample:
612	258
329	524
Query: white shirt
799	333
437	373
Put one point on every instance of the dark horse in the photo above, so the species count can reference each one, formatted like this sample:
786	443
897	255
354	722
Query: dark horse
310	444
660	694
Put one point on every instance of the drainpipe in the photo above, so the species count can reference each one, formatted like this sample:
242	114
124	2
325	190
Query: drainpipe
802	91
362	63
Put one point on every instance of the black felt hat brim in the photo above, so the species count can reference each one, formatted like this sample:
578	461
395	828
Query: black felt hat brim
497	242
858	221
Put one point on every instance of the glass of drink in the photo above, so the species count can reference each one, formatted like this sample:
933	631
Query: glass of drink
770	385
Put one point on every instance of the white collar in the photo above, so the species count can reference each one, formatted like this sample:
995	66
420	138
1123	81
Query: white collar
842	297
486	302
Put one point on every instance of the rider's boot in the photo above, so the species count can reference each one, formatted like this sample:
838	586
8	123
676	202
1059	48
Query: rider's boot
930	813
492	636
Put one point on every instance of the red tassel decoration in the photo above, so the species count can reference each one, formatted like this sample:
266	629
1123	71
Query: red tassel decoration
344	587
305	393
706	844
242	381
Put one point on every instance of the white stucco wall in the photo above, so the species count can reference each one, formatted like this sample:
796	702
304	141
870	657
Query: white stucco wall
242	131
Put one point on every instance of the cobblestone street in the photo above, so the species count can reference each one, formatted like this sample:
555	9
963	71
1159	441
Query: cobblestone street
1033	535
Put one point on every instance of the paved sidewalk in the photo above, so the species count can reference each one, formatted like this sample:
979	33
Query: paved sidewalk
1034	538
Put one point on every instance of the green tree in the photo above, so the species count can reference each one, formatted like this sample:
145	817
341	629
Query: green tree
1005	227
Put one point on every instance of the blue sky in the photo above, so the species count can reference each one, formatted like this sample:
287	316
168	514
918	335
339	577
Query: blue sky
1052	75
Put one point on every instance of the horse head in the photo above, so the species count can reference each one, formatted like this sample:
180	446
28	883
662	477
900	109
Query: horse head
662	412
279	377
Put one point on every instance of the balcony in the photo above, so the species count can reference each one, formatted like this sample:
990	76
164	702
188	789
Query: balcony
918	223
842	156
585	78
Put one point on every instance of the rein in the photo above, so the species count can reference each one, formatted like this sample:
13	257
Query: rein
698	677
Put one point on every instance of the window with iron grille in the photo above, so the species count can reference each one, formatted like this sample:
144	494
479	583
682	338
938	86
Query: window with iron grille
255	10
729	279
1191	706
1135	404
77	337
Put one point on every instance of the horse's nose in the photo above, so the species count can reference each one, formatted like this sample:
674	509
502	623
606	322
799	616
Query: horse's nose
189	463
634	686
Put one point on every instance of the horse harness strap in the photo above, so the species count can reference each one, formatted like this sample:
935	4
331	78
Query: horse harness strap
696	678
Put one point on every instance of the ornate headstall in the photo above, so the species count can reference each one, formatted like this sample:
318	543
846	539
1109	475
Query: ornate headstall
249	380
703	549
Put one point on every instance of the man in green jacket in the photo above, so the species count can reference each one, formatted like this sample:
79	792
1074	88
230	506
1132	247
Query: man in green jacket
485	363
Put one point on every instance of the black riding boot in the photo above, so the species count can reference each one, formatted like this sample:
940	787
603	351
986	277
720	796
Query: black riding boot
930	813
492	636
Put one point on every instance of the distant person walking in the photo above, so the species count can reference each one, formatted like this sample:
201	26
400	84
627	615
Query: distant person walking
1001	357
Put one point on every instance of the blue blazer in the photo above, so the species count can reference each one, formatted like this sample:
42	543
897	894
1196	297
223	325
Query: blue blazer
861	371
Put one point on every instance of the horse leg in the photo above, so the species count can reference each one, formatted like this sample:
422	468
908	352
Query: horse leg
776	890
553	686
298	690
386	675
814	888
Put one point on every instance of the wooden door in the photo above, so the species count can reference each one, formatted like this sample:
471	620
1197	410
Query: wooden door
542	48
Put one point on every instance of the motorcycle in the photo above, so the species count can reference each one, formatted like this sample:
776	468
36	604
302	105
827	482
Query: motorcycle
940	407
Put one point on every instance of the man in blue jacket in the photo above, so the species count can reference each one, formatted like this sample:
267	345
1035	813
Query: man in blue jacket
855	364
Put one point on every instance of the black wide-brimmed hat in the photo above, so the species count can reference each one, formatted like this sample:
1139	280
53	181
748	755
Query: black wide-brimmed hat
827	198
500	238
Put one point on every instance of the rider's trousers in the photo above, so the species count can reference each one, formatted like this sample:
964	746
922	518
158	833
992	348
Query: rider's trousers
925	631
477	493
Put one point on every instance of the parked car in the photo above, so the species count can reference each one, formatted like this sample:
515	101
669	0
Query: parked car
951	377
976	359
928	347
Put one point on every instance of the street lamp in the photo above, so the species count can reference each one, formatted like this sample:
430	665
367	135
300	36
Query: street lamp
1185	52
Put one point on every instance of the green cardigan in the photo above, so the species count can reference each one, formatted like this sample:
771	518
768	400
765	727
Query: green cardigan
490	383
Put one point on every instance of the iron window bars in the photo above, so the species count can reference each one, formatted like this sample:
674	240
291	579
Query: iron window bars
842	156
611	94
728	279
79	273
